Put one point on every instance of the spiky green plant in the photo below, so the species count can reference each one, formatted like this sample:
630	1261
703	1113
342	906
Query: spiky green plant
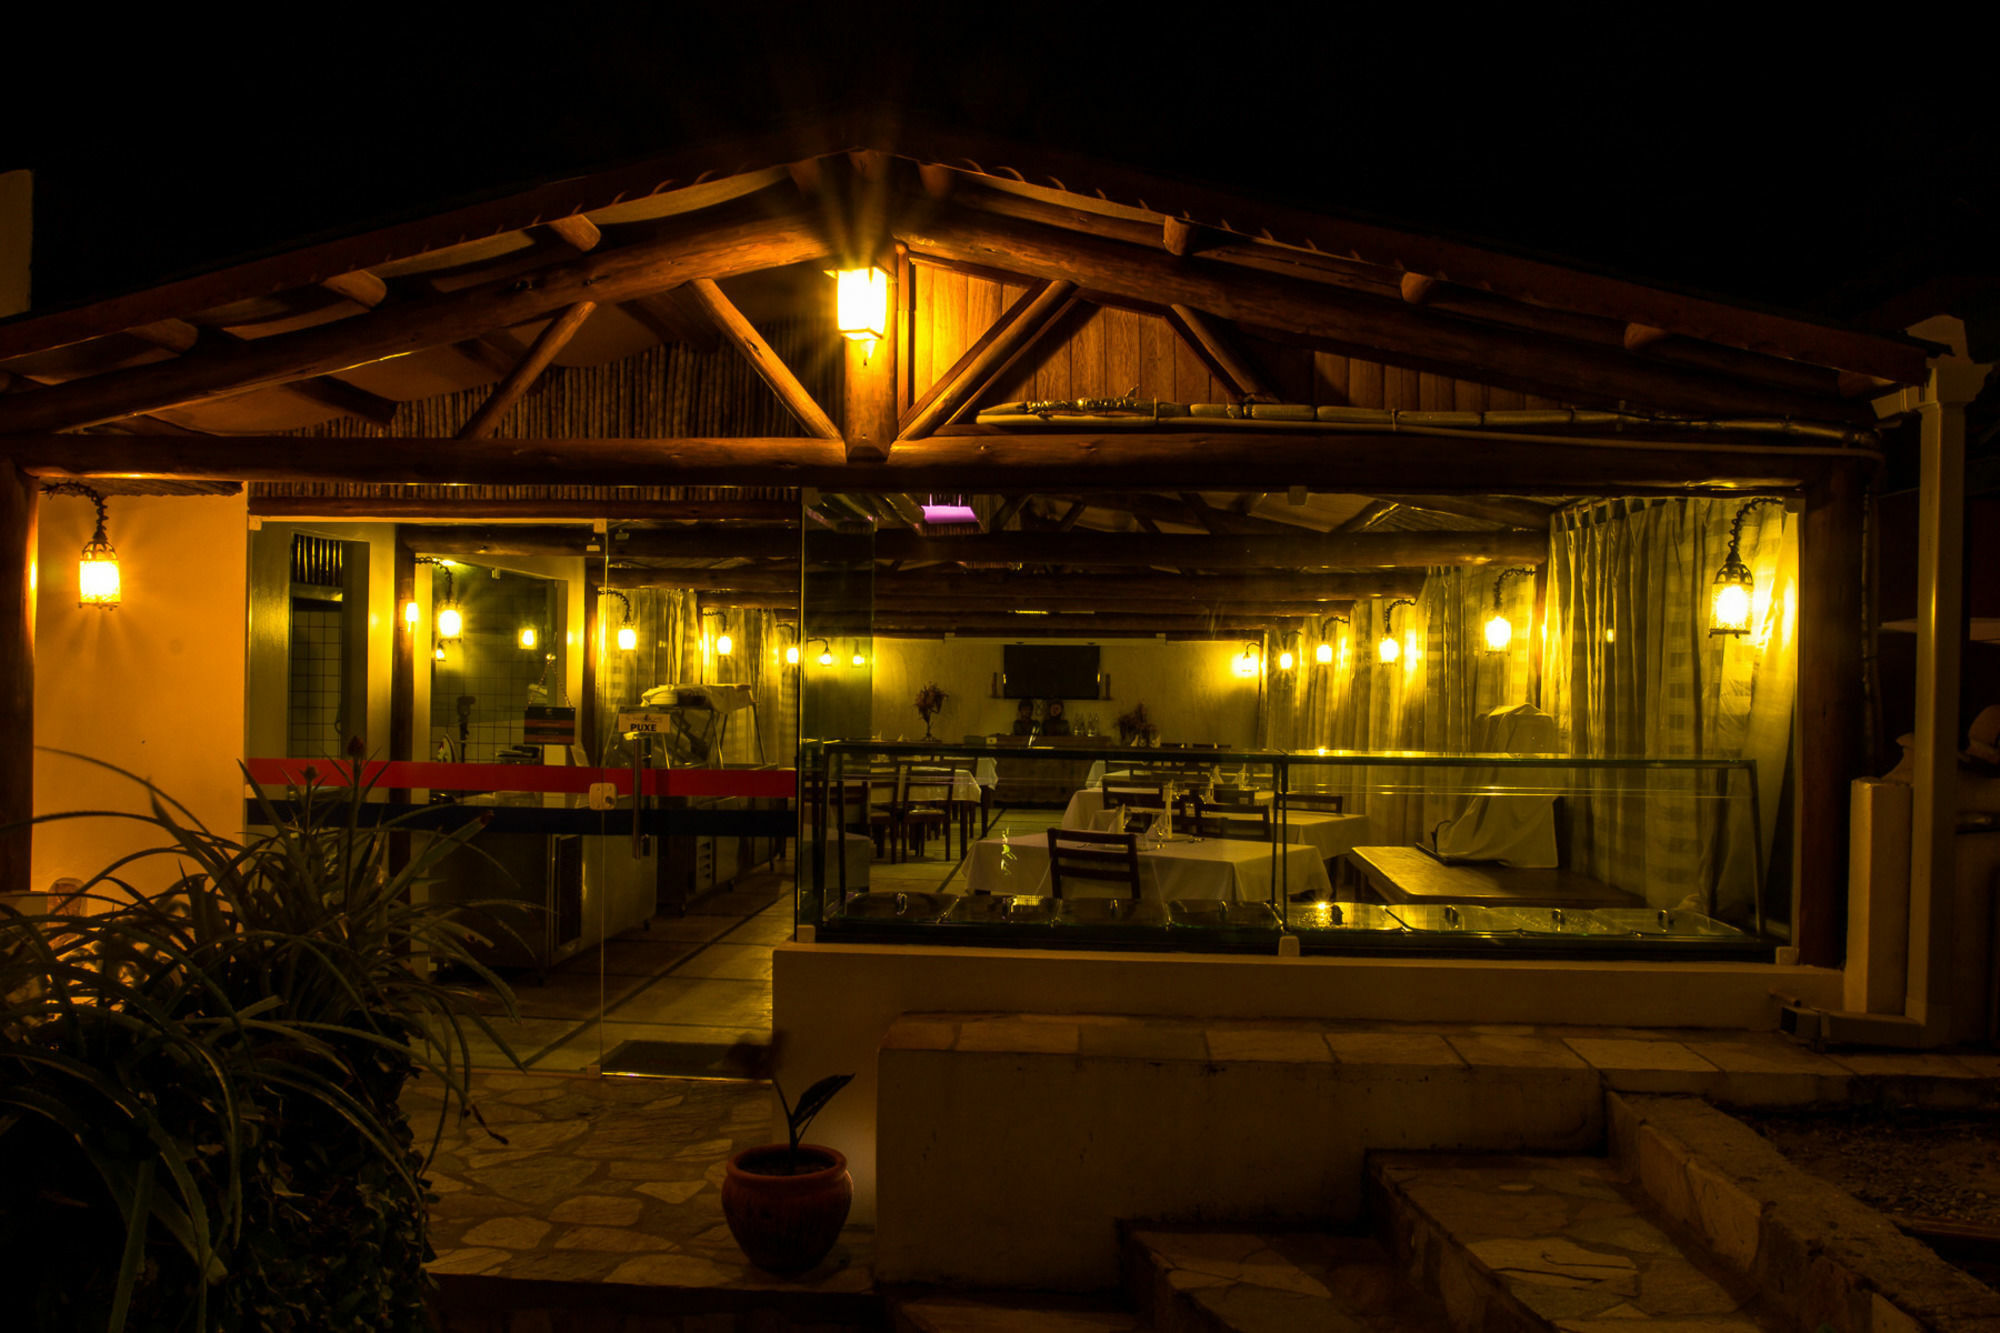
199	1115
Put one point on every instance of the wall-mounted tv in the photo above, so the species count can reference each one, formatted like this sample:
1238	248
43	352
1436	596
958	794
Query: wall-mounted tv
1048	671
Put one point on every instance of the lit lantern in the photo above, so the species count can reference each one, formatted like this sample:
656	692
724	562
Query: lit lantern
97	582
1285	661
859	660
437	653
1499	633
528	636
628	638
1323	654
1387	649
724	645
411	615
861	305
1246	661
1734	596
451	624
826	657
792	655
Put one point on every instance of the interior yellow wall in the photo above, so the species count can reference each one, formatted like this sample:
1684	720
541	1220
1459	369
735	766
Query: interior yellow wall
1190	689
155	686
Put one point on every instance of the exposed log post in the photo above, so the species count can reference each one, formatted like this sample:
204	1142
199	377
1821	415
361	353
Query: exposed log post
770	367
868	392
403	659
988	358
593	648
508	392
19	511
1829	709
1212	341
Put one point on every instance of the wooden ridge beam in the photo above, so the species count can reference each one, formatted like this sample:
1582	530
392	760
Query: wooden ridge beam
1354	324
770	367
690	543
357	508
548	343
989	357
703	247
977	460
1374	550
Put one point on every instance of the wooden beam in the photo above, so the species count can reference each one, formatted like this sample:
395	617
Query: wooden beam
1215	346
179	336
690	543
1514	513
1005	513
977	460
938	180
1386	550
704	247
1354	324
770	367
19	510
548	343
671	317
363	288
356	508
999	625
1291	588
576	231
988	358
1143	505
1367	516
1179	238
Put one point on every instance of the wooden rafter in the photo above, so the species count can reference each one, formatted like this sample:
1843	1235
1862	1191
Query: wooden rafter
1354	324
991	356
1004	515
477	509
770	367
672	317
1514	513
180	337
1213	343
548	343
1305	550
707	247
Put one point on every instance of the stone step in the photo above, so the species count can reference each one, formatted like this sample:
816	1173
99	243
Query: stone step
1008	1312
1518	1244
1194	1281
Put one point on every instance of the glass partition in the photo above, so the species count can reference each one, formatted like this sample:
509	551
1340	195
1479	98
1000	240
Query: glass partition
1202	848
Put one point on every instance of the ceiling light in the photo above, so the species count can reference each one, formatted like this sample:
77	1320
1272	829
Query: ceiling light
861	305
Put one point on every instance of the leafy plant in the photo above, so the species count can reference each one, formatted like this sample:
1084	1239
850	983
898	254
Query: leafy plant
199	1115
811	1102
931	701
1136	725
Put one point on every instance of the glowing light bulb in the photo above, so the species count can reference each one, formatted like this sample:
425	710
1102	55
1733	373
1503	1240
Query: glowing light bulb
1284	661
1499	633
450	623
724	645
1246	663
411	615
861	303
437	653
792	655
859	659
528	636
1732	609
97	577
1387	649
1323	654
628	638
826	658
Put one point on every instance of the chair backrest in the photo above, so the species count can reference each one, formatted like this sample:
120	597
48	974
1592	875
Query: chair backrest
1227	794
932	785
1080	854
1146	795
1249	821
1313	800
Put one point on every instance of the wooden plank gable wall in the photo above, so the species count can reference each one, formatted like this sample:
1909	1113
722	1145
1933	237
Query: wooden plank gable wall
1102	351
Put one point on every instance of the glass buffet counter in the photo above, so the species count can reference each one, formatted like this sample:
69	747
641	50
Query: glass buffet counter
1339	852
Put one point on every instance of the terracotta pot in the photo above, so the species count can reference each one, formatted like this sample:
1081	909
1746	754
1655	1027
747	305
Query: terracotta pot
786	1223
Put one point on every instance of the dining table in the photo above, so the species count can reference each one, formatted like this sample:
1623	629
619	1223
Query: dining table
1183	868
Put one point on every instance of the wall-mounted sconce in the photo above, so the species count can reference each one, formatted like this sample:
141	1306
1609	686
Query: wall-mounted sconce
628	638
1735	586
861	306
724	645
825	657
1324	653
97	581
1499	629
791	654
1246	661
1388	649
859	660
528	636
437	653
450	620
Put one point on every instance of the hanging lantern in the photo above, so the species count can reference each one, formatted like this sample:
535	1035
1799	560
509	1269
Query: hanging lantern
724	645
1500	629
1285	660
1388	650
451	624
859	660
97	580
1734	592
1246	661
411	615
628	638
1323	654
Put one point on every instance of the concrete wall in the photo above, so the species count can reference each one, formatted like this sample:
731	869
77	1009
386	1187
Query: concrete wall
1190	689
833	1002
155	686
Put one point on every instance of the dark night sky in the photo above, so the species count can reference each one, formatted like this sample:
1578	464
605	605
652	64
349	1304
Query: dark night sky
1821	174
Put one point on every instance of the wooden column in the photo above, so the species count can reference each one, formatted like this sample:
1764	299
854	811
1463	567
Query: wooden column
868	395
19	506
403	661
1830	709
593	647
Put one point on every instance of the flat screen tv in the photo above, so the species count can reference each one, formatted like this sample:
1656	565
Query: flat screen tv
1048	671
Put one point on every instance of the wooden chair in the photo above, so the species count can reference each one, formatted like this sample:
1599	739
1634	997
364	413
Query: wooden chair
865	801
1108	857
923	802
1133	799
1247	822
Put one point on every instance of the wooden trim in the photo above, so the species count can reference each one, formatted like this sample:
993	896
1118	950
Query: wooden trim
1831	717
1354	324
987	359
770	367
19	512
550	341
709	248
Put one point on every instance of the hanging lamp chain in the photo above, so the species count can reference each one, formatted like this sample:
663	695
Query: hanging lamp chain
89	493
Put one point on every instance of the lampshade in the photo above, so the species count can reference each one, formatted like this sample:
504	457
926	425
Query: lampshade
628	638
861	303
450	623
1499	633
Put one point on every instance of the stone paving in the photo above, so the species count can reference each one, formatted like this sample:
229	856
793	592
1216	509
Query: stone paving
606	1180
1273	1282
1558	1237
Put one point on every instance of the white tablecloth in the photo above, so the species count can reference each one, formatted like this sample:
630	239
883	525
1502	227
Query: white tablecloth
965	786
1209	868
1086	811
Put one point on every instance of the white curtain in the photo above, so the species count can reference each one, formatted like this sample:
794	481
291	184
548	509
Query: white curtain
1634	671
679	644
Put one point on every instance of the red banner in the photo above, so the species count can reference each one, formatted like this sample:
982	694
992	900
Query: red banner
756	782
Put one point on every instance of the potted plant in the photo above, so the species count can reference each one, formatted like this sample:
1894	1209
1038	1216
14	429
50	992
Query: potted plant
930	702
786	1202
199	1114
1135	727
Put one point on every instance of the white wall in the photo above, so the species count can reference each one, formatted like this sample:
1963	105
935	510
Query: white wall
1190	689
155	686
